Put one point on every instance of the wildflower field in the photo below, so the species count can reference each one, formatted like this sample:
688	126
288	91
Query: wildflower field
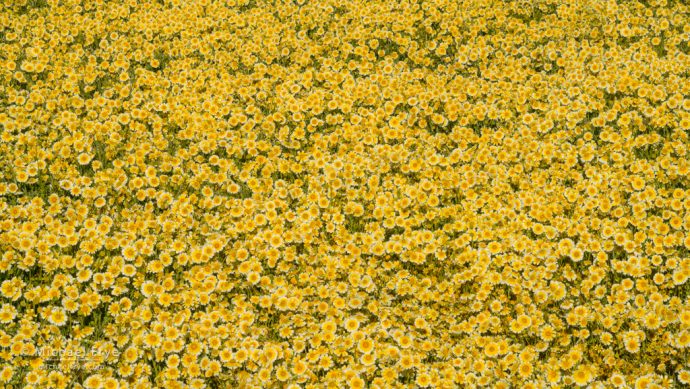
344	194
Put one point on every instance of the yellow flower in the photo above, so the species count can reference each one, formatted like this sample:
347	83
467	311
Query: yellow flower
491	349
6	374
84	158
93	381
684	376
365	345
351	324
423	380
582	375
58	317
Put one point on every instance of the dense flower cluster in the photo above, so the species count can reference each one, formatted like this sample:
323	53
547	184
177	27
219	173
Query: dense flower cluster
329	193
